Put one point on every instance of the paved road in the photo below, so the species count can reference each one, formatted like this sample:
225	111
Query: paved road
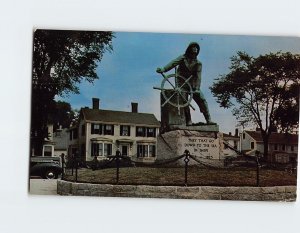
43	187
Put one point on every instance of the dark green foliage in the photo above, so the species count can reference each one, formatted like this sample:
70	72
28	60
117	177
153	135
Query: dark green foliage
61	114
61	60
262	91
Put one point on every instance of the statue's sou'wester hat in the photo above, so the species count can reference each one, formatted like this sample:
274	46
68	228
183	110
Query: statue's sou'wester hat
192	44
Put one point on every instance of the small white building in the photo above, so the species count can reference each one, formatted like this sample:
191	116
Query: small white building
282	148
231	144
61	139
48	144
56	143
102	132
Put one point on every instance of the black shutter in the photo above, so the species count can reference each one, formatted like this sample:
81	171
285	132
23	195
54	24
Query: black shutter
104	130
121	130
129	130
153	151
100	128
109	149
97	149
83	130
112	130
138	151
92	128
93	150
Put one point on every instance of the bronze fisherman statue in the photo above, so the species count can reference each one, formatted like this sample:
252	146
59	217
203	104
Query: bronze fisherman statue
189	66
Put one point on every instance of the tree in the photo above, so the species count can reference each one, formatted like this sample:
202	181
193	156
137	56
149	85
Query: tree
61	60
61	114
262	91
286	116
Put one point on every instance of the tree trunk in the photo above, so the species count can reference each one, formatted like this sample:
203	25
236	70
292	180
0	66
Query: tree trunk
41	101
266	147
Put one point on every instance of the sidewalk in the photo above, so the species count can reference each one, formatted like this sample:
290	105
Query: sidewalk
43	187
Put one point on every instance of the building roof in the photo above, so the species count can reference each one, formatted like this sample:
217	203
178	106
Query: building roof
109	116
228	136
276	138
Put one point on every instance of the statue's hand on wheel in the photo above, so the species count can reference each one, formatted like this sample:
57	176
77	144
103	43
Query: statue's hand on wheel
196	90
159	70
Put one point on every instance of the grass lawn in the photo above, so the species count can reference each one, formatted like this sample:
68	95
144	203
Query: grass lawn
176	176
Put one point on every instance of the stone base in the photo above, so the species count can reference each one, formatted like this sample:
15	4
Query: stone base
277	193
199	128
204	145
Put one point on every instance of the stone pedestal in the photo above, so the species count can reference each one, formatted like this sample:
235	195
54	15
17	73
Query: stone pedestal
199	128
203	141
207	146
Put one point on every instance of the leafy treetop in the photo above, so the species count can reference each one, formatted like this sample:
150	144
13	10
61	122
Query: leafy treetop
260	90
62	58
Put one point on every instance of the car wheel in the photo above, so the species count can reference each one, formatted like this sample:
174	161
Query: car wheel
50	174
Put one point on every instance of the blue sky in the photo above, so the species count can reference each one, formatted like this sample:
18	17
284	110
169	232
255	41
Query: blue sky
128	73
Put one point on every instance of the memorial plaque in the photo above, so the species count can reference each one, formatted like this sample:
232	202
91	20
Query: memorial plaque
204	147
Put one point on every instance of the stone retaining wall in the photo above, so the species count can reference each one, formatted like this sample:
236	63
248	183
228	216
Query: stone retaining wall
278	193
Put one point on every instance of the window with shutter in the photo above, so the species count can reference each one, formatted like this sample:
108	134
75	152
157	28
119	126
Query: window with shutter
140	131
125	130
96	129
107	149
150	132
109	129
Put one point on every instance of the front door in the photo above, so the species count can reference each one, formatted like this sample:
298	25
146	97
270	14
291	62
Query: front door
124	150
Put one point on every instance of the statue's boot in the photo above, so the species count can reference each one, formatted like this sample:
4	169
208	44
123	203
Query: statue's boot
208	119
188	117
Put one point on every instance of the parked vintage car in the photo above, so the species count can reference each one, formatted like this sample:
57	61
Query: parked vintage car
45	167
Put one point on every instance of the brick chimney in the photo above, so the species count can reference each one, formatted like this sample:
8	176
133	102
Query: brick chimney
96	102
134	107
236	132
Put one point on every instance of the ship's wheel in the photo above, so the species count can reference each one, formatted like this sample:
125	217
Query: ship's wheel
176	90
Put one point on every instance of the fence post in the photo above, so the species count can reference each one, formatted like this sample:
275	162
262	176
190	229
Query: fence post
257	167
76	170
118	154
186	160
95	163
73	163
62	166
